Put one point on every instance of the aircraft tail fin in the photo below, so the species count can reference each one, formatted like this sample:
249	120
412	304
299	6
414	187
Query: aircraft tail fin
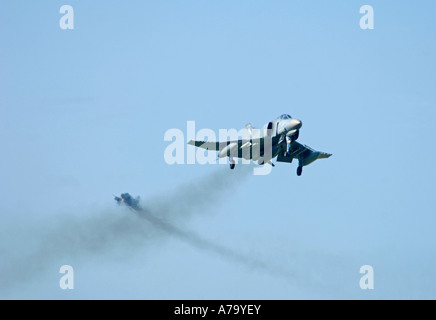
249	128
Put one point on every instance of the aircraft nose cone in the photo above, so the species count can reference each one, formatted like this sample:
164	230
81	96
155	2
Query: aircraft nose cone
299	124
295	124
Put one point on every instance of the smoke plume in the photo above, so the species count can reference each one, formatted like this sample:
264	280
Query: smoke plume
27	251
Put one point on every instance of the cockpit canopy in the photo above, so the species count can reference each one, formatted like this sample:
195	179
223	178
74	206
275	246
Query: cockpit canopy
285	116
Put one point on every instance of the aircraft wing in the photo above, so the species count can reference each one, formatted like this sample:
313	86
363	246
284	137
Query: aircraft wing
216	146
300	150
242	143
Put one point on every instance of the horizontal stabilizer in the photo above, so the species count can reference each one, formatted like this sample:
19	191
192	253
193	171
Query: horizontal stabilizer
300	151
324	155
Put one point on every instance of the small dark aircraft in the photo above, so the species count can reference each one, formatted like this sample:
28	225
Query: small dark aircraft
129	201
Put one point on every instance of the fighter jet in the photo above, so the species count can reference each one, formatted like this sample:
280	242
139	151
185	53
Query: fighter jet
129	201
282	133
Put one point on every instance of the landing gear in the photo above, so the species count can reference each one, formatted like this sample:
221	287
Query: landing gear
299	171
232	164
287	153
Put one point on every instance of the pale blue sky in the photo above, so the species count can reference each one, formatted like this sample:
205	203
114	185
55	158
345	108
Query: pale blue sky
83	115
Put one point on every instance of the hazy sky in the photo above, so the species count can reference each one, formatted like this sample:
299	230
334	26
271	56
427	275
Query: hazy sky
83	115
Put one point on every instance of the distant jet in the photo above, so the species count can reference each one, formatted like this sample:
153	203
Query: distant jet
129	201
284	132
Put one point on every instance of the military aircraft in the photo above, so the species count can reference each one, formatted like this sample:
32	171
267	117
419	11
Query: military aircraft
129	201
283	133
